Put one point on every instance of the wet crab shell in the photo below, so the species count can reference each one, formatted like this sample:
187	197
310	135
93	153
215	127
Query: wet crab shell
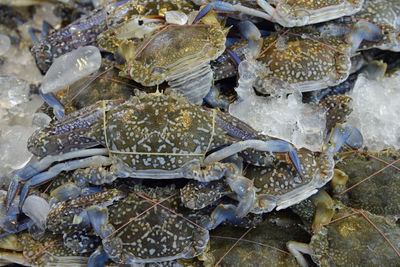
307	62
158	132
318	11
355	241
174	51
291	13
280	186
158	234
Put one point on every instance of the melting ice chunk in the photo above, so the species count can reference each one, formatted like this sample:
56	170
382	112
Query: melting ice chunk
71	67
280	116
4	44
176	17
13	91
376	109
37	209
17	109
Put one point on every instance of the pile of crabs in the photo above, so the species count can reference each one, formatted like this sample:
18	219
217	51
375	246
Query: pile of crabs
142	163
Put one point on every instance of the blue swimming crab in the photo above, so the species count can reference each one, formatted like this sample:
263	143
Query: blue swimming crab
178	54
305	58
382	15
351	239
379	194
290	13
152	136
85	30
46	250
278	185
132	231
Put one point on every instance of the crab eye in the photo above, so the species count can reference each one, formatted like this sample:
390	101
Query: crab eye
140	22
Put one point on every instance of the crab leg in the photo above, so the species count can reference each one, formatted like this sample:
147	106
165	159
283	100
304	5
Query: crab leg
39	166
253	35
52	101
273	146
343	134
222	213
296	248
218	5
252	12
56	169
363	30
98	258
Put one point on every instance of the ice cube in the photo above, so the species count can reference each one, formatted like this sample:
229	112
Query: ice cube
71	67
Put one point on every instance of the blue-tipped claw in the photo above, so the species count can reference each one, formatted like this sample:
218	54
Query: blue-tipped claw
11	193
98	258
294	158
253	35
355	140
280	146
98	217
213	98
363	30
45	29
222	213
218	6
52	101
343	134
32	33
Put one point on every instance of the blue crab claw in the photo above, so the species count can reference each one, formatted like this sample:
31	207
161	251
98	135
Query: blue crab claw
35	207
52	101
245	192
355	139
217	5
71	190
46	27
56	169
272	146
253	35
220	214
98	258
32	33
98	217
213	98
363	30
33	173
21	175
343	134
8	219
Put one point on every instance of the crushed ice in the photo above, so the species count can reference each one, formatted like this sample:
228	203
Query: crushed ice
279	116
17	111
376	109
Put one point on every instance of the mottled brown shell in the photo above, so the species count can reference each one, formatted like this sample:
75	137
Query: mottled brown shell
154	131
308	62
173	51
157	234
